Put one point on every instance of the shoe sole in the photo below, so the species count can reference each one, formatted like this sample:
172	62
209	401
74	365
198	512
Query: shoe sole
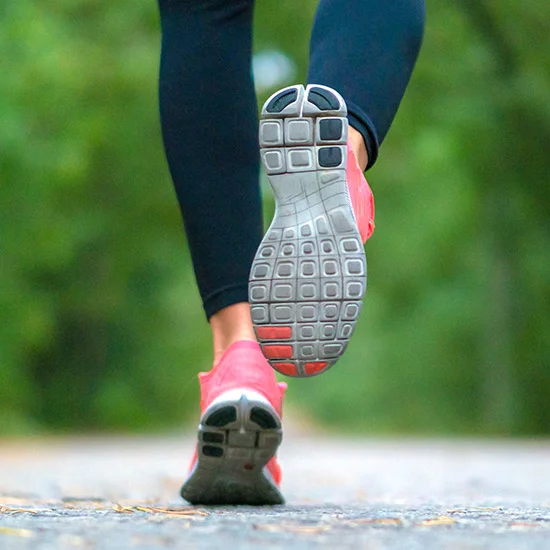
238	435
308	277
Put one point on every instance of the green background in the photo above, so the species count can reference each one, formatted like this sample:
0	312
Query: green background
101	326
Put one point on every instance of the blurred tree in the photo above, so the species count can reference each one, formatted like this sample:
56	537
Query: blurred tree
100	321
511	172
91	241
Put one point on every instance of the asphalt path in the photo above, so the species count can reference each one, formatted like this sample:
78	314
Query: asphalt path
122	492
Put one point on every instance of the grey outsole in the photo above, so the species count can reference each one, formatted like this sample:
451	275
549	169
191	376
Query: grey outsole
309	272
233	450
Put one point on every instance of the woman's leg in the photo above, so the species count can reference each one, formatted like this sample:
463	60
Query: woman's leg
209	125
366	50
309	275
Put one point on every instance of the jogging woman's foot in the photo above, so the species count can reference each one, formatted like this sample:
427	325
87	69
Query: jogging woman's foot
239	432
309	274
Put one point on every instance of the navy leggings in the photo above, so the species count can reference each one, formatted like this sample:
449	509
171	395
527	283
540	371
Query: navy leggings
364	49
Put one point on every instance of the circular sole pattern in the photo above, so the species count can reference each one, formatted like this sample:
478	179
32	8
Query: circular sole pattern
308	277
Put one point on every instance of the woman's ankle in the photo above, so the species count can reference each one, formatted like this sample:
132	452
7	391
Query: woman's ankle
359	148
230	325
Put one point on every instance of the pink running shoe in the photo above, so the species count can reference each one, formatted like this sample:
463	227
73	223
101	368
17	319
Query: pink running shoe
239	432
308	278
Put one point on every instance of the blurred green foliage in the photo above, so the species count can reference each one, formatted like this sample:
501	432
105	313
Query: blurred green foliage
100	321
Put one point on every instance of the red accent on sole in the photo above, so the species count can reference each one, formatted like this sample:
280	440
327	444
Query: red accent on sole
277	352
274	333
314	368
286	368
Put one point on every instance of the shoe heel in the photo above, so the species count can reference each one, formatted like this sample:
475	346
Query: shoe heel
238	435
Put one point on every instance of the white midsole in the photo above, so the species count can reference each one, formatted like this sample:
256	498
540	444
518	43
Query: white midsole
234	396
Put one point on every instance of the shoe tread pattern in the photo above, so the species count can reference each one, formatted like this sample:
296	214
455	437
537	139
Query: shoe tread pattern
308	277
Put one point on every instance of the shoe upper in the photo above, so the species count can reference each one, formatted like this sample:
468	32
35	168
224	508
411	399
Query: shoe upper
362	199
243	366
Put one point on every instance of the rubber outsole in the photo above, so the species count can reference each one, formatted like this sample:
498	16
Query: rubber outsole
238	435
309	274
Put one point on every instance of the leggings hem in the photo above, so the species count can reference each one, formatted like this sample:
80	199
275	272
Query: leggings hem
225	297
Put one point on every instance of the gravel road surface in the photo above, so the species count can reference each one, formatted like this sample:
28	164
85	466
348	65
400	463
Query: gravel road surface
122	492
